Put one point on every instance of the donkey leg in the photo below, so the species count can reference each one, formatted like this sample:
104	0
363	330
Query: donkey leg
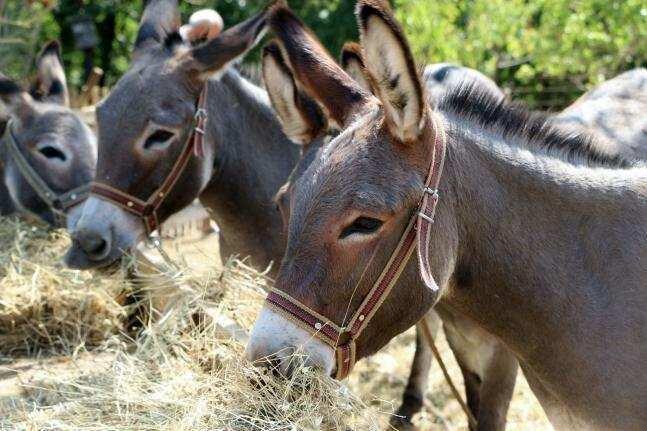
414	394
497	387
6	203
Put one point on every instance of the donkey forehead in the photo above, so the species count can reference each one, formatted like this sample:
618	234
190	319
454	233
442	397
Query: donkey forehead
57	122
359	170
150	94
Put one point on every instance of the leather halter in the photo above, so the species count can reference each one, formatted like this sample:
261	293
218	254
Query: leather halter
58	203
147	210
418	233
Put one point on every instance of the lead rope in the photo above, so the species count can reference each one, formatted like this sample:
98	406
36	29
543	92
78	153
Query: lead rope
426	332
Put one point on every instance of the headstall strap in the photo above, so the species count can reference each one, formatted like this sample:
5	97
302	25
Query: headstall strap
147	210
57	203
417	233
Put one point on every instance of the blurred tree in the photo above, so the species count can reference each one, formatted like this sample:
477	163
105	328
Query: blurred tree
546	52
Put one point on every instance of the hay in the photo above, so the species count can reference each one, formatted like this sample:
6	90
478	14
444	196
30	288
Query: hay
185	371
45	306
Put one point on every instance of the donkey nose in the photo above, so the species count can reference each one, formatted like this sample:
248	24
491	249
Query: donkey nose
96	245
285	347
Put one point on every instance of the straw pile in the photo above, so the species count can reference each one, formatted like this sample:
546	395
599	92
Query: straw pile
43	305
66	364
184	371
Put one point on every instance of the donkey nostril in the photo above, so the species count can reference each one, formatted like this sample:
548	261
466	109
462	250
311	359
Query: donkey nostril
93	244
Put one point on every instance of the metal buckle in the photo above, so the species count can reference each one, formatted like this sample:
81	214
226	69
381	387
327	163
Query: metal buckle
434	193
200	114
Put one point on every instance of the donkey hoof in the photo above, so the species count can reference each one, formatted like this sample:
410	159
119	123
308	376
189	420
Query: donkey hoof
400	423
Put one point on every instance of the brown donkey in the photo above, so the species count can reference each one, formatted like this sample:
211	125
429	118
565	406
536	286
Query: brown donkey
543	254
47	154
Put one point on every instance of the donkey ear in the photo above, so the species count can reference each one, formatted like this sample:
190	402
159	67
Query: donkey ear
302	119
160	19
204	25
352	60
215	55
50	84
389	59
18	103
315	70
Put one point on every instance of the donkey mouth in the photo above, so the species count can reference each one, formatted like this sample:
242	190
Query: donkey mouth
77	258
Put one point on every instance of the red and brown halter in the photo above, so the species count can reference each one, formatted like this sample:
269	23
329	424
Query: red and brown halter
147	210
418	233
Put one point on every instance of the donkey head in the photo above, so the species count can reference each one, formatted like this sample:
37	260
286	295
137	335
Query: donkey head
349	201
53	140
145	122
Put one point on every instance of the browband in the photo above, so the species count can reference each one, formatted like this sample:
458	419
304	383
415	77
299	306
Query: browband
417	233
147	210
58	203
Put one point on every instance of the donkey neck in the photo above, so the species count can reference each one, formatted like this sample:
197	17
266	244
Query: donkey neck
253	159
548	260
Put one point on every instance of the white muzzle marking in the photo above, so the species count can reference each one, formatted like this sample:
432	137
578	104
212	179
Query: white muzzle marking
276	338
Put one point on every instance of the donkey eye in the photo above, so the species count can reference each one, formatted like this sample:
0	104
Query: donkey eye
158	138
52	153
362	226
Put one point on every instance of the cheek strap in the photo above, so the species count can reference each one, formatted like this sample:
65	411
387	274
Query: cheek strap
147	210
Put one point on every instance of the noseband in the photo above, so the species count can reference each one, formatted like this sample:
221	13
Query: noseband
418	233
58	203
147	210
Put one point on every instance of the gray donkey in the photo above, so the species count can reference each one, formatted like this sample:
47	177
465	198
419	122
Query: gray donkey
537	239
488	368
615	111
47	153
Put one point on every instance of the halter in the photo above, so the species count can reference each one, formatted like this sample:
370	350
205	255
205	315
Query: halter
147	210
58	203
418	233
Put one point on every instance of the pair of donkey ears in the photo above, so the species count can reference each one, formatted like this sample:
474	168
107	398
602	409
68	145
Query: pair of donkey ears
299	71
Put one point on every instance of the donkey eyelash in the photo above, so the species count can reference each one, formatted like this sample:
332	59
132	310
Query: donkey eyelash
158	137
361	226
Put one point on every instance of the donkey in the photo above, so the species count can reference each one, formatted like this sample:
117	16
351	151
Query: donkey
615	110
146	120
489	370
43	142
516	246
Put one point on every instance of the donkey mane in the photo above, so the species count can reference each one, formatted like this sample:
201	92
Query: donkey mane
534	129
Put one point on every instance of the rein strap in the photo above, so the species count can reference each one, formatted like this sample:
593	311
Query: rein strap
417	233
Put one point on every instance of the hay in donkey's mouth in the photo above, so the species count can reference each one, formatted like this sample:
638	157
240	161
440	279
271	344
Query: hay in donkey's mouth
185	371
44	305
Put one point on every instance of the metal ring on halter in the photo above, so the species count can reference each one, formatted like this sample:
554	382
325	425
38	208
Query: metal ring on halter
433	192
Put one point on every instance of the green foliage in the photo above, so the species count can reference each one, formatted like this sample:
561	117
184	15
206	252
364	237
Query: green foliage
543	51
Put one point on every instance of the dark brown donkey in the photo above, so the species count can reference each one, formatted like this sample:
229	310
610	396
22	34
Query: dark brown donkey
545	255
47	153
